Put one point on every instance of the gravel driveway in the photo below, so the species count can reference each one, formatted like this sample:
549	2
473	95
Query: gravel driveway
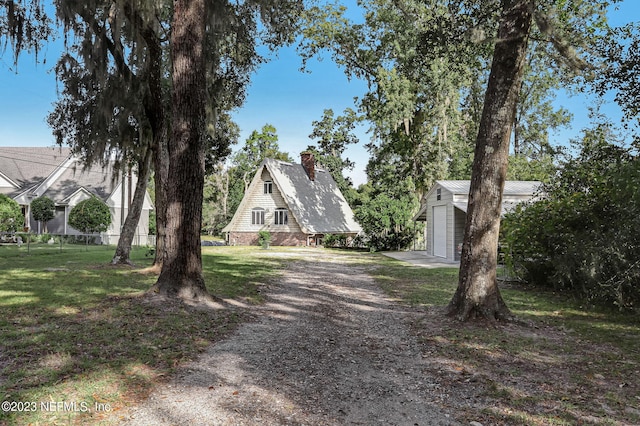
327	348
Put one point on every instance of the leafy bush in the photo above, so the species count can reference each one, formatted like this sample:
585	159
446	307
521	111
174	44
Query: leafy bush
386	217
90	215
11	217
43	210
264	239
583	237
335	240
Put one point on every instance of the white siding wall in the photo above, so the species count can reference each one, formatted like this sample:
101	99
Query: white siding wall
446	199
269	202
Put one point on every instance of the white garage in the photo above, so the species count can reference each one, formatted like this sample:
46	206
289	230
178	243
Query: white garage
444	209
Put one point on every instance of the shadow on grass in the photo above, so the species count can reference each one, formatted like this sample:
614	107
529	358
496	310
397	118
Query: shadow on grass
77	329
559	364
84	335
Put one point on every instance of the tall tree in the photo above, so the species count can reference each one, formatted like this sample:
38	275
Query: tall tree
536	116
111	108
622	73
181	274
334	135
415	57
477	294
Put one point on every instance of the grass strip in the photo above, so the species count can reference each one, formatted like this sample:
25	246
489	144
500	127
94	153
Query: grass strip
79	341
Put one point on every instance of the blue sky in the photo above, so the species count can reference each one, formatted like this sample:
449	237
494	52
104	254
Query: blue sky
280	95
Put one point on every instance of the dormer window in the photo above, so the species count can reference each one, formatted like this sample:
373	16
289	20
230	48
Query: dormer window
268	187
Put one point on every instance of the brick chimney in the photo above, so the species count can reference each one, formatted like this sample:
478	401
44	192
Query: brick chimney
309	164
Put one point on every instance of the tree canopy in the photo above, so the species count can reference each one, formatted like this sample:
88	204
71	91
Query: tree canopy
43	209
90	216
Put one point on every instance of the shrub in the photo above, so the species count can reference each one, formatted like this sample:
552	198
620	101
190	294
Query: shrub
264	239
43	210
90	215
583	237
386	217
11	217
335	240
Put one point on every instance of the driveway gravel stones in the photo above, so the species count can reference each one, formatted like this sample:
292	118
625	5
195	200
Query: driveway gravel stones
327	348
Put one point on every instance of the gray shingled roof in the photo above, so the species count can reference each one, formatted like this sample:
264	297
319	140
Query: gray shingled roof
30	166
318	205
94	179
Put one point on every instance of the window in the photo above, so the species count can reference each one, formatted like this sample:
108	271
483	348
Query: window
439	194
257	216
281	217
268	187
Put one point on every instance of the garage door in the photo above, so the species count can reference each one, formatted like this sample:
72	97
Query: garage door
439	227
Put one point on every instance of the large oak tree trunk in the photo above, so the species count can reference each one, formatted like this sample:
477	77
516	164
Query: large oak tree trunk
477	295
181	275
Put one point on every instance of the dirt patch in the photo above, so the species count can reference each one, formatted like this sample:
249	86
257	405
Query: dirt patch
327	348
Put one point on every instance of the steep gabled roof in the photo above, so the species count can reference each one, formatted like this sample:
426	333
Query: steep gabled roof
318	206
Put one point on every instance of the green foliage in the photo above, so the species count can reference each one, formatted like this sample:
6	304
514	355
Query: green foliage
335	240
523	168
582	238
333	135
264	239
90	215
11	218
385	215
24	25
622	73
152	223
43	209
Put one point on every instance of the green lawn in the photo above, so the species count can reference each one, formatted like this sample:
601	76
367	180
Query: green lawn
75	329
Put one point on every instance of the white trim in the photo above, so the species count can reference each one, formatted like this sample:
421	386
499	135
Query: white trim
54	176
9	181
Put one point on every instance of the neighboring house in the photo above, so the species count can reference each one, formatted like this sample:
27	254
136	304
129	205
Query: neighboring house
297	203
28	173
445	211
